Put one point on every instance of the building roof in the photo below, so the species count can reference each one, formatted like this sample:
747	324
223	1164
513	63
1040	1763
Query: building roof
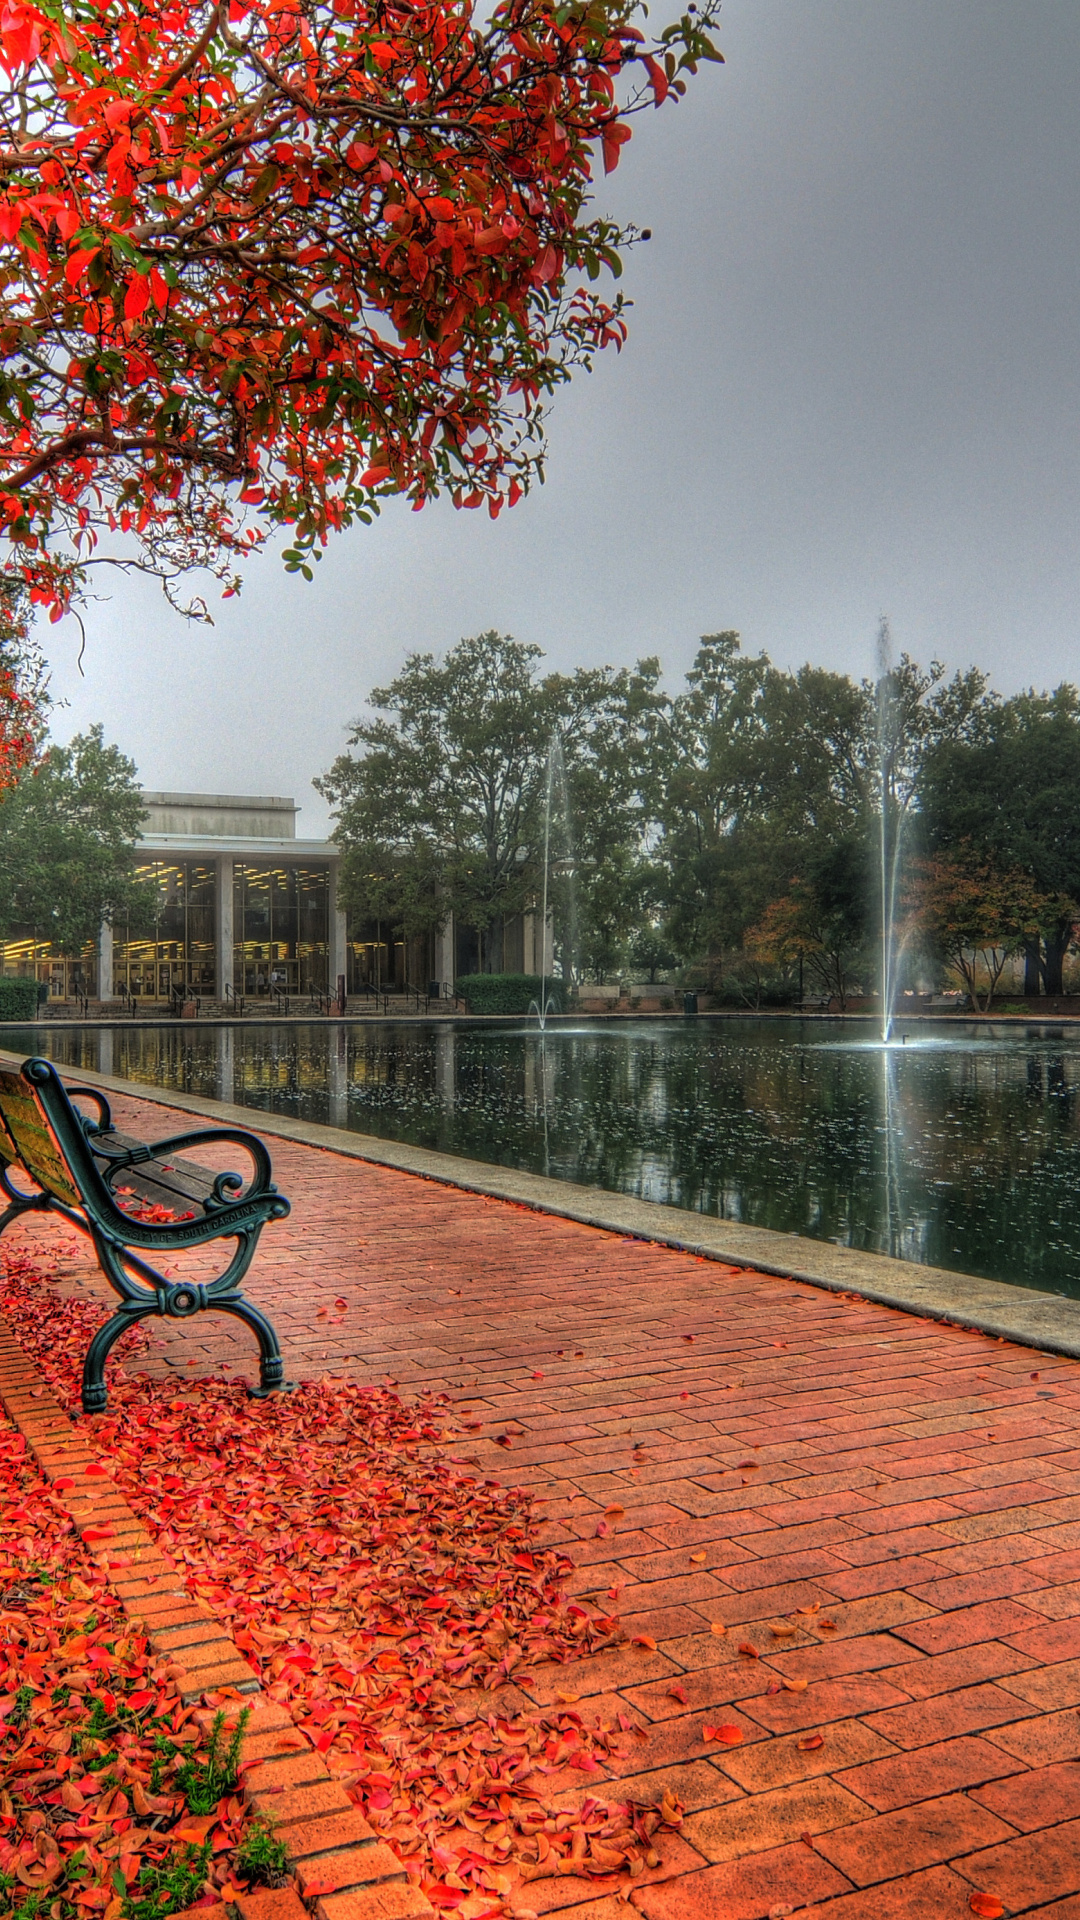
248	848
255	828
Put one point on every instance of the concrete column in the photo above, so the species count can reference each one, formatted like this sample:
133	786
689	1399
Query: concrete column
223	927
105	964
338	934
539	944
444	953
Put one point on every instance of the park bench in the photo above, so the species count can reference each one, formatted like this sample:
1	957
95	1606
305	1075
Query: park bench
77	1162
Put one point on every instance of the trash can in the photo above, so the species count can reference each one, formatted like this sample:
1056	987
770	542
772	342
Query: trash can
434	990
689	1003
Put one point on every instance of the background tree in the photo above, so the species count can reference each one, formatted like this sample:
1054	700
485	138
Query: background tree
820	923
452	787
1011	797
294	255
707	747
974	916
24	699
67	845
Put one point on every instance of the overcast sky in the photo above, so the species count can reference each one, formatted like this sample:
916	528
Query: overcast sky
851	388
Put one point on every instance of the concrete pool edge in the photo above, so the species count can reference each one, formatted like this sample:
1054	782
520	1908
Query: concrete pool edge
1046	1321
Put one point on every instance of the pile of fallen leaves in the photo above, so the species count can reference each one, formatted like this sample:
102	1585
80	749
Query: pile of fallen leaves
387	1596
98	1754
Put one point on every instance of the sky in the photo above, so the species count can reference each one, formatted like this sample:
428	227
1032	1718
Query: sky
852	388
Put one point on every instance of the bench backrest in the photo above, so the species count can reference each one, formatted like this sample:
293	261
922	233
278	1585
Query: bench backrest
36	1145
9	1152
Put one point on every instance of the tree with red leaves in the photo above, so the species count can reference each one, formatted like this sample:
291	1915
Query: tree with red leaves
24	697
295	255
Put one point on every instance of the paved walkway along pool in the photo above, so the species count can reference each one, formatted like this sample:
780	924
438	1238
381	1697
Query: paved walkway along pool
725	1450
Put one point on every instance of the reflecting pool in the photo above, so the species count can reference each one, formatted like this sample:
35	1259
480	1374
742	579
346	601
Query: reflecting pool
959	1147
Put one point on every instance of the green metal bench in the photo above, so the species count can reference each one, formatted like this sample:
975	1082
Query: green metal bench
76	1161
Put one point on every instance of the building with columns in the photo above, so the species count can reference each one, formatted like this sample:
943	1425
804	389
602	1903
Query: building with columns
242	907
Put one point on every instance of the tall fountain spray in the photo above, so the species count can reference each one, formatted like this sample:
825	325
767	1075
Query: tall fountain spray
891	824
542	1009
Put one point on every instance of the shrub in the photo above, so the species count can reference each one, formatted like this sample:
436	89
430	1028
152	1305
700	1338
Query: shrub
202	1782
509	992
261	1857
18	998
169	1888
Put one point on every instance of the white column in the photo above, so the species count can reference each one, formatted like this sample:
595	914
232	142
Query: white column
338	934
539	943
223	926
444	953
105	962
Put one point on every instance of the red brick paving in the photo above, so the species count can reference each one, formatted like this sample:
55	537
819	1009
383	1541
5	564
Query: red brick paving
768	1448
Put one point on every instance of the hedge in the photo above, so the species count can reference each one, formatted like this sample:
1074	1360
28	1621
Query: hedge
18	998
509	992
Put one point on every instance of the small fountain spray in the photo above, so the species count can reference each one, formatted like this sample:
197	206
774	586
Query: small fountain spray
891	825
555	780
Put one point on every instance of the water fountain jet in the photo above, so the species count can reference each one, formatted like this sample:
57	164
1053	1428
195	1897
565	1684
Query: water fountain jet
891	826
555	788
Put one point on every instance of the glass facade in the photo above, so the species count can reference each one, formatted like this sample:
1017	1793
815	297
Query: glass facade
178	949
67	976
280	938
281	929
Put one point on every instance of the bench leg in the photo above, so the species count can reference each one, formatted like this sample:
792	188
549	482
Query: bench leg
271	1365
95	1399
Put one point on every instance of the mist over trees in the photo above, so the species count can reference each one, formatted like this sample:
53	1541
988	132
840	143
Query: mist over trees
728	832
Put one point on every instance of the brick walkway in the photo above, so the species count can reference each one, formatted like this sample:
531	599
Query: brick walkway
766	1448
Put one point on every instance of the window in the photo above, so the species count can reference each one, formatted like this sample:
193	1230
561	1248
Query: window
177	950
281	929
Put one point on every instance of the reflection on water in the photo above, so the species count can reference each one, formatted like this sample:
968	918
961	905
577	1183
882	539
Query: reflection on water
960	1149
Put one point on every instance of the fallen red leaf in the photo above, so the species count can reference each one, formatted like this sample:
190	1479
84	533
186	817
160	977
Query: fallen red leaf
728	1736
378	1589
195	1831
811	1743
987	1906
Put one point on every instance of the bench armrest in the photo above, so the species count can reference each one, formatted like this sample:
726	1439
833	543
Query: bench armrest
104	1122
225	1184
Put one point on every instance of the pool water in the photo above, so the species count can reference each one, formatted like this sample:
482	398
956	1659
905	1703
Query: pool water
959	1148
